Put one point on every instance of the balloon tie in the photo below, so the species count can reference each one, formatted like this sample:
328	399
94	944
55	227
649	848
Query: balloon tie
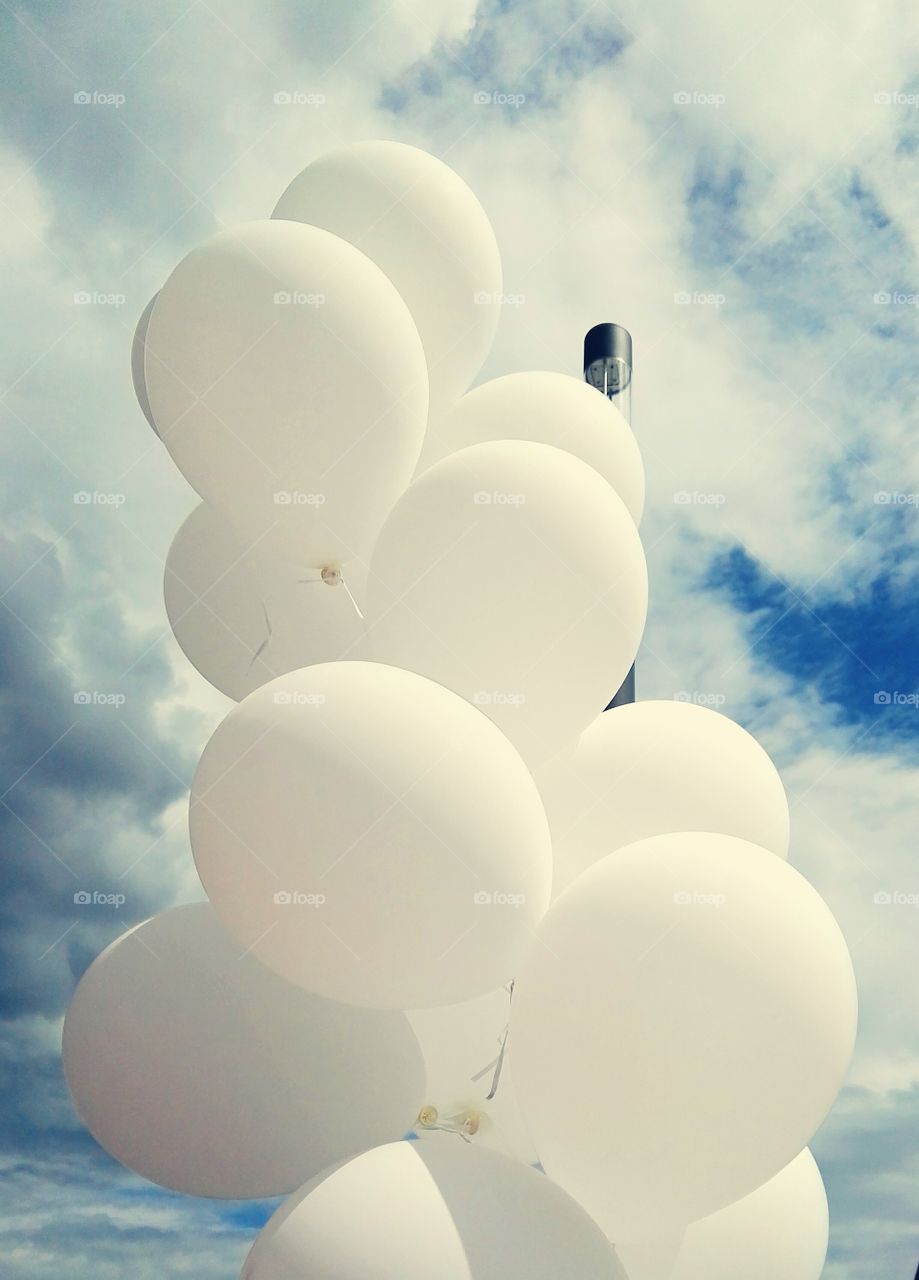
332	576
464	1123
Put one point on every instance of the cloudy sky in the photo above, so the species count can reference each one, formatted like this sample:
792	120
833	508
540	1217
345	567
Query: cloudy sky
739	185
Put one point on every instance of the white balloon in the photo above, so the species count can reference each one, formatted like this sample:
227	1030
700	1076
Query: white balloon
199	1069
415	1211
418	221
648	768
464	1063
288	382
512	573
651	1257
138	348
779	1230
548	408
682	1031
371	836
240	623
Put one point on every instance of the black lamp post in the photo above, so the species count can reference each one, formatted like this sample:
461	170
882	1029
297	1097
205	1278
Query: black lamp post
608	367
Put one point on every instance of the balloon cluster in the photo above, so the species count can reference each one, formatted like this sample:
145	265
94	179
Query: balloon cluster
447	899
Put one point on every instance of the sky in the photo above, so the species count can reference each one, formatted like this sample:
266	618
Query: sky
738	184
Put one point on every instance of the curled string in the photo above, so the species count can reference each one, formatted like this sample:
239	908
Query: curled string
498	1063
357	607
265	643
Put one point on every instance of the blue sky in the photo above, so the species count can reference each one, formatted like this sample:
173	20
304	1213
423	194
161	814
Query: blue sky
757	160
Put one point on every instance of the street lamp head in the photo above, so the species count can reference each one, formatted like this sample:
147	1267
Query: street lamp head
608	363
608	367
